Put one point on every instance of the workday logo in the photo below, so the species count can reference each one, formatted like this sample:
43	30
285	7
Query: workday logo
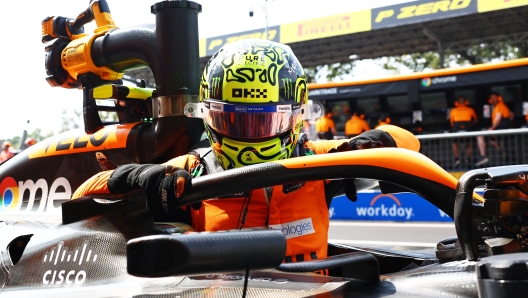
385	206
296	228
67	267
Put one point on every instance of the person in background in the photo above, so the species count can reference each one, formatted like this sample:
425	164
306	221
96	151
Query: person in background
7	151
501	117
30	142
325	126
383	119
357	124
462	118
417	128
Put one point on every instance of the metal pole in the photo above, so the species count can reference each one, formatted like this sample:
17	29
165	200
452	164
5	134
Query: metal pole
441	54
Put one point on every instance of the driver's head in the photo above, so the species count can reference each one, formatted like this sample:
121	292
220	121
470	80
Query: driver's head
252	91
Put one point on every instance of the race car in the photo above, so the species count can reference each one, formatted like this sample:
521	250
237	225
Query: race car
110	245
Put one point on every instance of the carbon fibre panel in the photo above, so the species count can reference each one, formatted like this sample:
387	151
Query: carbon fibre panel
102	272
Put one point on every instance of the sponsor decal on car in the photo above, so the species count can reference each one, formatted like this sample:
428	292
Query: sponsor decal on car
67	267
36	193
241	277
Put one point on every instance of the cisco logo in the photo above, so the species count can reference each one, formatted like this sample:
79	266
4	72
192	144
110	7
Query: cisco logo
67	267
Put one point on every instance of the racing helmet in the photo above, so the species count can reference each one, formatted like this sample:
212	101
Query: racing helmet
253	99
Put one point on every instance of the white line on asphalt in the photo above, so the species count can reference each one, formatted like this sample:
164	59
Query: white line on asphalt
383	243
447	225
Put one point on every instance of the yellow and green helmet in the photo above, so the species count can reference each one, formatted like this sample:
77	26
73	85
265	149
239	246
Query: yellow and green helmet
253	97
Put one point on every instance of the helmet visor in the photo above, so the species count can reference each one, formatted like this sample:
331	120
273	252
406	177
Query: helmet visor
251	121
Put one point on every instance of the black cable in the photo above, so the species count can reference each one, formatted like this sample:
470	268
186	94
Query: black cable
246	279
243	211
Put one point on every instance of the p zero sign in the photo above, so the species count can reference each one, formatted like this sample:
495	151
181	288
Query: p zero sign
420	11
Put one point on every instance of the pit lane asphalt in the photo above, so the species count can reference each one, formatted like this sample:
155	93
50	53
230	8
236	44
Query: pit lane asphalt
386	233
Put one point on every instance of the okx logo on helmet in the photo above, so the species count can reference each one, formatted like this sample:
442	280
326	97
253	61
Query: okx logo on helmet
253	99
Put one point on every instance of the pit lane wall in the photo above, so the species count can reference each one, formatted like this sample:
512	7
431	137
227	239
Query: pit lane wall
373	205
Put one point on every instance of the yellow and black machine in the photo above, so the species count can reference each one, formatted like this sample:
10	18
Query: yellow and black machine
110	245
149	125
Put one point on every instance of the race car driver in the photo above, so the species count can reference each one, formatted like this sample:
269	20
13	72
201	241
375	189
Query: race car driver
253	99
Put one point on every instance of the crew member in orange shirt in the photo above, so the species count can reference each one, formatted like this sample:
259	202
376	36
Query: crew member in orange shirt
325	126
501	117
462	118
357	124
384	119
7	151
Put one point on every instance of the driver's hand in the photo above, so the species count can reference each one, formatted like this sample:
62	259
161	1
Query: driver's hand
164	185
385	136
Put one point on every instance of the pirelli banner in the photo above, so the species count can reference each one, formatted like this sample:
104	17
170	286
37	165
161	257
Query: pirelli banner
362	21
490	5
347	23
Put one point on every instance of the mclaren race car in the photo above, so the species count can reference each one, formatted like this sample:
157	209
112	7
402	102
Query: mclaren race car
111	246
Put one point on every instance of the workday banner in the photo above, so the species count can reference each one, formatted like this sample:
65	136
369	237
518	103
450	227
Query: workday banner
391	207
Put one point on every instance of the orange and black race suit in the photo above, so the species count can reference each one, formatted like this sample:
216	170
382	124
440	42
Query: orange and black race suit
300	210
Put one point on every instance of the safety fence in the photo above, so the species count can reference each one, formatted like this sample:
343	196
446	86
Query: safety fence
502	147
